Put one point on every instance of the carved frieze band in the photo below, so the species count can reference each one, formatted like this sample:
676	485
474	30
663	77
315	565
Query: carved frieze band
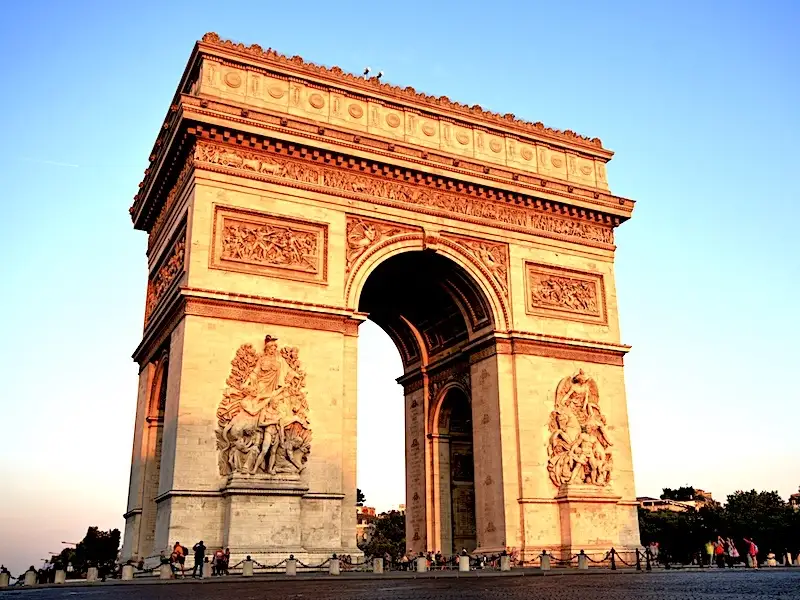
169	203
565	293
422	197
162	278
255	242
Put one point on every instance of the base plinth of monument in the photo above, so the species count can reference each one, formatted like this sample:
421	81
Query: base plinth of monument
588	523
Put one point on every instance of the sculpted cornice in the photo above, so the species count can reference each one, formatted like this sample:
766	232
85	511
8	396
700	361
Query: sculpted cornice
372	86
398	150
311	169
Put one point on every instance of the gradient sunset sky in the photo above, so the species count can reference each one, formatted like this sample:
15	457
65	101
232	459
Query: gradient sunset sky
699	100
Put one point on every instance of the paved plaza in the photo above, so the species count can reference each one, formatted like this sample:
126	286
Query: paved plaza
724	585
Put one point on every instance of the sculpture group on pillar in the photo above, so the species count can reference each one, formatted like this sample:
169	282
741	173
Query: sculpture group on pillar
578	447
263	416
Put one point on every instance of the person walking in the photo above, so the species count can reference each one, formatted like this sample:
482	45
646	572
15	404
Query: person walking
719	552
752	553
732	552
199	556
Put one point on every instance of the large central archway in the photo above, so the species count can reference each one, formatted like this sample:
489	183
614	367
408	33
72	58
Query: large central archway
431	308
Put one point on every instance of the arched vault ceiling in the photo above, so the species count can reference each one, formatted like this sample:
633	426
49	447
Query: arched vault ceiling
425	302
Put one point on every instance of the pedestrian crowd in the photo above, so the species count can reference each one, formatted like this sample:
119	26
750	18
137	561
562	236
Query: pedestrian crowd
724	553
220	559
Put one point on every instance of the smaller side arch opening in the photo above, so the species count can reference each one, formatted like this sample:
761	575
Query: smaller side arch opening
455	466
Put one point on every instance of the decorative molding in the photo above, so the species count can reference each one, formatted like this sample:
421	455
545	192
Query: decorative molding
562	293
271	315
165	275
569	349
403	94
423	197
132	512
264	244
411	382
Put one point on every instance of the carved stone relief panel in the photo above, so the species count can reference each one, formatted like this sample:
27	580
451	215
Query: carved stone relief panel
263	426
255	242
565	293
492	255
578	447
161	280
364	234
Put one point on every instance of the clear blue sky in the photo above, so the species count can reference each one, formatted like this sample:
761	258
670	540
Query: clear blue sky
698	99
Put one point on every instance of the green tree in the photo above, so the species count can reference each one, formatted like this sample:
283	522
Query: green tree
97	549
681	494
388	535
760	516
360	497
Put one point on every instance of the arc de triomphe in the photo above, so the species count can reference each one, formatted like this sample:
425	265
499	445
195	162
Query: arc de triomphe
286	203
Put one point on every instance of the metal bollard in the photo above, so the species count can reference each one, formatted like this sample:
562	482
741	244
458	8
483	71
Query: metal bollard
377	565
60	577
613	560
334	569
505	562
638	561
91	574
165	571
30	578
463	563
422	564
4	579
544	563
247	567
648	565
291	566
583	561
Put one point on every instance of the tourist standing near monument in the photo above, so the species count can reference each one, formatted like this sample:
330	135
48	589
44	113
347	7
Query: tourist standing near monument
199	555
752	553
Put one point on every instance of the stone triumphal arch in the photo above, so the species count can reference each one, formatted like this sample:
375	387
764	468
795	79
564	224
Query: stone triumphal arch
285	204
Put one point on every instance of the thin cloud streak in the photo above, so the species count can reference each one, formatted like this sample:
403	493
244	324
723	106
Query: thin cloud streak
55	163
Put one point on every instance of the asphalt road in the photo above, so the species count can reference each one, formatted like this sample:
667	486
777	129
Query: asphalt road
724	585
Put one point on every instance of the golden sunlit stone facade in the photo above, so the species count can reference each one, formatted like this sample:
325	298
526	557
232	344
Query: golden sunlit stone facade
286	203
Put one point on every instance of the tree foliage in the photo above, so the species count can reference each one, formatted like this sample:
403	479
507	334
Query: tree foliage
388	535
97	549
681	494
761	516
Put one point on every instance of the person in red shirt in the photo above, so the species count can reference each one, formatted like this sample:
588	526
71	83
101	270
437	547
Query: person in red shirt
752	552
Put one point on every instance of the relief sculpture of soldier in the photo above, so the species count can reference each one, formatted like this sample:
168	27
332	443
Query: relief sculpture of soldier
263	422
578	445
